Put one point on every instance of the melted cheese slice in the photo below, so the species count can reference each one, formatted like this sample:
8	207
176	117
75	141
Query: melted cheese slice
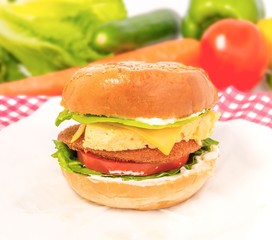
163	139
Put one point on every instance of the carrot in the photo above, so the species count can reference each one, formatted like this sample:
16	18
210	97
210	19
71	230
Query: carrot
185	50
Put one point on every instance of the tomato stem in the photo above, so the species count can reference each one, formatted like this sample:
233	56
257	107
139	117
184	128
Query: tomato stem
268	77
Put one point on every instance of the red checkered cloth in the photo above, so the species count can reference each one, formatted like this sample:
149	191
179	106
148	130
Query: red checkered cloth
254	107
12	109
232	104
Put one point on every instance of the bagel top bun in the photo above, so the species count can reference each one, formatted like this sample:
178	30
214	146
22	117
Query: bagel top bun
139	89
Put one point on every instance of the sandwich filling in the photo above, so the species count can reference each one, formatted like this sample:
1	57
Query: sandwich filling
117	149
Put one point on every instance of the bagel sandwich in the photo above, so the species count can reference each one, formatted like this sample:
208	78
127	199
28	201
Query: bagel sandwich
142	133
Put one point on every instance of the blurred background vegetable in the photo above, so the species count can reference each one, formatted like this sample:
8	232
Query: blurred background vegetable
203	13
233	52
269	79
48	35
10	68
44	36
184	50
137	31
265	25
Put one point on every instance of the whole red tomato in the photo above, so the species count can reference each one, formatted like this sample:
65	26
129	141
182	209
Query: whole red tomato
233	53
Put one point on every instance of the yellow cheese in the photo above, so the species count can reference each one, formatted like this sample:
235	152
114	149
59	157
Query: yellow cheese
78	133
163	139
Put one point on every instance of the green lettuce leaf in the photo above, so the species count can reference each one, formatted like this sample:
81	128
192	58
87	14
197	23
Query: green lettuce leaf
206	147
68	161
48	35
88	119
63	116
10	68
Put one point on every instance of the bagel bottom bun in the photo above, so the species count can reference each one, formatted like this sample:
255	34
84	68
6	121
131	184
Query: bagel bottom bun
148	194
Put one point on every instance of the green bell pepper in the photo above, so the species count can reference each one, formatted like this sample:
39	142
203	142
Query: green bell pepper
203	13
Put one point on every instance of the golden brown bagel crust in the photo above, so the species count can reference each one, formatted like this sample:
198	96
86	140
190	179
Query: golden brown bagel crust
139	89
140	196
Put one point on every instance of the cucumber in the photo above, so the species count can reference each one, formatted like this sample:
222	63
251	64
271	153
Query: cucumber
136	31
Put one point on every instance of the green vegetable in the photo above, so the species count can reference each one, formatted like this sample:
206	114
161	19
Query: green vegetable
7	1
48	35
10	68
207	143
203	13
268	77
88	119
68	161
137	31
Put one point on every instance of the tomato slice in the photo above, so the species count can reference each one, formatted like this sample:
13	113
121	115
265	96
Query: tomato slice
112	167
